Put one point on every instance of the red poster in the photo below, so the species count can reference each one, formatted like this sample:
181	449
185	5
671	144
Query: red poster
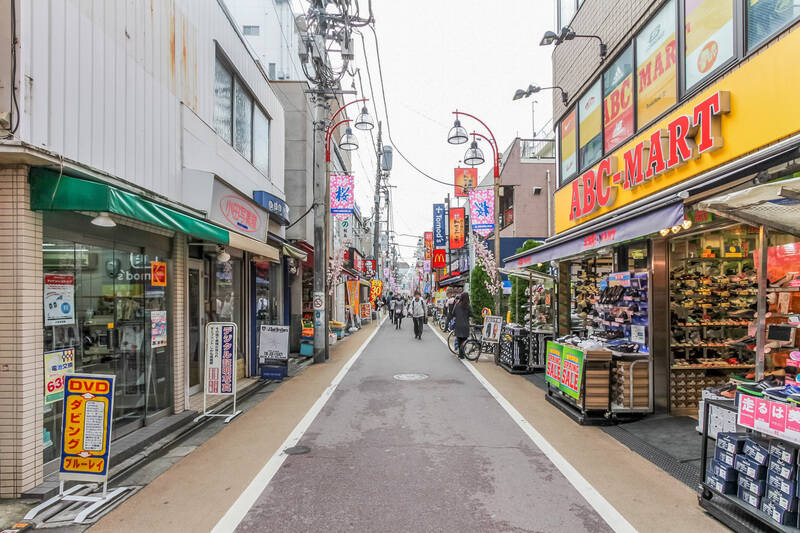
618	107
747	411
439	258
792	423
777	416
456	228
465	180
428	244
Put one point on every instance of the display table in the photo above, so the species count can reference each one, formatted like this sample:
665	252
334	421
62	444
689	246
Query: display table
578	382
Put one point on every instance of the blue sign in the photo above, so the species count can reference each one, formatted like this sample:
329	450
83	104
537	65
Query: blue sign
274	205
439	232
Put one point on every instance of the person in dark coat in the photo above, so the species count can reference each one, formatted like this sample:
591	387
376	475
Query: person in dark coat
461	314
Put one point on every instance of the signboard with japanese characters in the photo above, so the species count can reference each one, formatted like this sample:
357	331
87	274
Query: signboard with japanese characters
465	180
481	205
236	212
273	344
342	198
772	418
59	299
158	329
221	339
86	427
57	364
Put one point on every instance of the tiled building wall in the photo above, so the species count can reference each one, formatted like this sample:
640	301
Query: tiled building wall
179	315
21	343
577	63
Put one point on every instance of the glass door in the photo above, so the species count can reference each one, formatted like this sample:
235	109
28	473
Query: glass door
196	326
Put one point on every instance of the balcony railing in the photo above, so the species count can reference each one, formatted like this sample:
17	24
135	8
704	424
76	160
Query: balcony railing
537	149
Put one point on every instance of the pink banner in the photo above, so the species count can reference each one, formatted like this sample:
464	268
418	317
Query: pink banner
342	195
769	417
481	202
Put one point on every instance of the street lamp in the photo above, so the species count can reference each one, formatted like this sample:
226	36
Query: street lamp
567	34
348	141
474	155
364	120
532	89
457	135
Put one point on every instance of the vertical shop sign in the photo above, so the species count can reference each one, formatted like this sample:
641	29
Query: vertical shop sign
86	427
158	329
273	344
456	227
618	101
57	364
369	268
428	244
553	363
426	265
439	232
439	258
352	294
221	342
158	273
342	195
571	371
465	181
481	211
59	299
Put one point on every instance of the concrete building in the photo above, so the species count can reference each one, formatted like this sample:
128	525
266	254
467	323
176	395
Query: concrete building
142	186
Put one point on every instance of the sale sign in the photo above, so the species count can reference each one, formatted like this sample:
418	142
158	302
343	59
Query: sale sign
457	234
86	427
57	364
342	197
571	371
553	365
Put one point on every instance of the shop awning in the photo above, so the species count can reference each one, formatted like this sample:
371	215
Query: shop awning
612	234
53	192
297	253
775	204
261	249
452	281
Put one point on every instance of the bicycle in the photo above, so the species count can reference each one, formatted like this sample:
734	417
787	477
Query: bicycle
473	346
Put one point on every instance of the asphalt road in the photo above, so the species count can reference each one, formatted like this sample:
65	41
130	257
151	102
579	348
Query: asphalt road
437	454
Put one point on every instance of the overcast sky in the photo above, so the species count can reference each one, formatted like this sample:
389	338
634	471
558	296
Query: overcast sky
439	55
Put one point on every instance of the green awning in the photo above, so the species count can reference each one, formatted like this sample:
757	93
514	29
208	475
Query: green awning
51	192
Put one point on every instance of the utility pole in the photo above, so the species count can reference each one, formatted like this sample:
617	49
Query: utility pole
320	296
376	232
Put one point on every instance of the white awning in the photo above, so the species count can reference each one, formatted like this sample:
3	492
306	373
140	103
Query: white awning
253	246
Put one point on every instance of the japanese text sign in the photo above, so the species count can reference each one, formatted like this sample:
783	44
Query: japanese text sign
481	205
571	371
221	339
772	418
57	364
553	365
439	231
342	198
465	180
457	235
273	344
59	299
428	244
86	427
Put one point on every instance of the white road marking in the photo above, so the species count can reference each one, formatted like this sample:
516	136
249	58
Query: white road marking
246	499
607	511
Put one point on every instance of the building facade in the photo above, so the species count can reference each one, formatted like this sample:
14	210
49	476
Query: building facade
142	164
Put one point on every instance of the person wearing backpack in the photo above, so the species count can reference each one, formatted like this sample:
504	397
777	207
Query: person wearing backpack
399	311
417	310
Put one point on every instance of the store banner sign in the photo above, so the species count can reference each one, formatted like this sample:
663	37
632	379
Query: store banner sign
366	311
481	205
158	329
57	364
221	342
59	299
86	427
369	268
426	265
457	233
233	211
465	181
571	371
552	372
352	295
439	258
428	244
766	416
439	231
342	195
273	344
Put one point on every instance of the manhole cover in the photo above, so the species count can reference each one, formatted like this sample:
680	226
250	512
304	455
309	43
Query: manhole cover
410	377
297	450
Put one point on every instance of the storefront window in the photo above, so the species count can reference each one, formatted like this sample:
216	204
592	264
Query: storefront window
566	10
765	17
708	37
618	101
591	146
118	326
568	145
655	66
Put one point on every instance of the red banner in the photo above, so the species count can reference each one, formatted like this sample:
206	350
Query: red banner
439	258
456	228
428	244
465	180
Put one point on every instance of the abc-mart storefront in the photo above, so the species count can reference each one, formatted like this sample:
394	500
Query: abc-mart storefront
678	216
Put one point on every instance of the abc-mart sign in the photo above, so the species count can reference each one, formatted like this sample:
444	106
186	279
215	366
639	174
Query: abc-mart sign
662	151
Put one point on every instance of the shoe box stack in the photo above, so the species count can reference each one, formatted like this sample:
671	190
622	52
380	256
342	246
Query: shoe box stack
625	374
597	376
688	385
761	473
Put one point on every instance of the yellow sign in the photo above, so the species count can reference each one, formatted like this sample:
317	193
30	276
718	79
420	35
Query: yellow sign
760	113
86	427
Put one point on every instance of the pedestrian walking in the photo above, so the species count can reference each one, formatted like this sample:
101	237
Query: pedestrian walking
461	314
399	310
390	305
418	309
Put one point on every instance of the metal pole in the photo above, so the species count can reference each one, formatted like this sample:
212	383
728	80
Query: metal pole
376	230
761	320
320	295
497	255
447	218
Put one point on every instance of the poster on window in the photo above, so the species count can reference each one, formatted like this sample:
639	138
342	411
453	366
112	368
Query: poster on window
465	180
569	164
439	231
590	126
158	329
618	101
59	299
57	364
655	65
481	211
457	235
341	195
273	344
709	37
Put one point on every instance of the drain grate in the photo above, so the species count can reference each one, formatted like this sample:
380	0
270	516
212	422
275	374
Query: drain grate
410	377
297	450
687	474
